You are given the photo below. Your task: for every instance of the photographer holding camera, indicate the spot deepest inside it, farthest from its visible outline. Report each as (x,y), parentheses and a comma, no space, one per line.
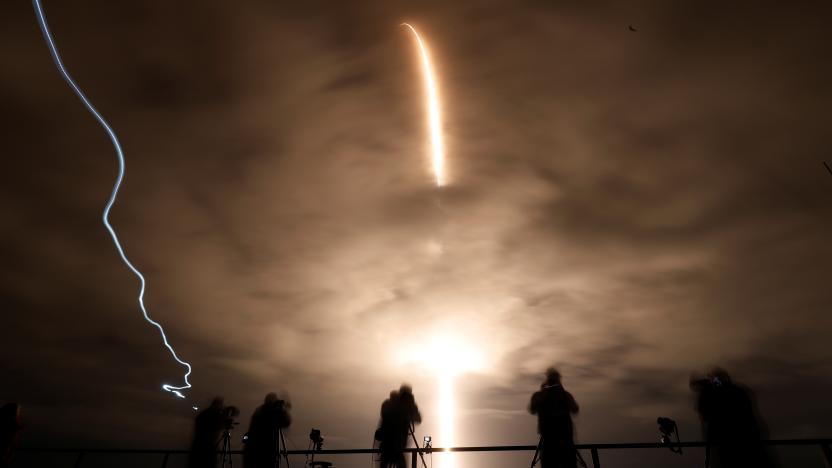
(207,429)
(730,422)
(262,446)
(554,407)
(399,414)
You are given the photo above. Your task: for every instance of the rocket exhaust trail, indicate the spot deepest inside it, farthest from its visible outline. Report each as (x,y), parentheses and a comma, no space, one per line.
(434,116)
(53,50)
(446,378)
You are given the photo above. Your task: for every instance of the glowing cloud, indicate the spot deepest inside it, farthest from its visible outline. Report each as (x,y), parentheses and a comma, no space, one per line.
(448,356)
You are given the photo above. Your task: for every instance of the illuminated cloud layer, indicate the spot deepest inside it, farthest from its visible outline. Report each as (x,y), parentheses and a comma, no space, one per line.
(630,206)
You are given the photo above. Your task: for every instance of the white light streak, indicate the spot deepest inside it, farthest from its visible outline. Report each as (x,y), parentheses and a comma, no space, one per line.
(53,50)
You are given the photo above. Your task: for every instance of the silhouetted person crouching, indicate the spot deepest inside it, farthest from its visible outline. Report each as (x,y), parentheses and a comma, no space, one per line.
(262,445)
(554,407)
(399,414)
(10,427)
(730,423)
(207,429)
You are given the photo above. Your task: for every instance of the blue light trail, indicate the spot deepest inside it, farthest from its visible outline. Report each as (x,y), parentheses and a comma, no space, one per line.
(47,35)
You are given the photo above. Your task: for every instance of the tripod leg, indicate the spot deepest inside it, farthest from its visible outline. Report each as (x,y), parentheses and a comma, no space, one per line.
(277,450)
(536,456)
(226,450)
(283,443)
(580,458)
(416,443)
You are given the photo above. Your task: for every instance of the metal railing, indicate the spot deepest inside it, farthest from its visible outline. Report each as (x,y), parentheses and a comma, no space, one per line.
(825,446)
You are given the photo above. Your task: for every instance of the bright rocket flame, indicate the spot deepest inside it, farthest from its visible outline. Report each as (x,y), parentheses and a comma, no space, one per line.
(449,356)
(447,416)
(434,116)
(53,50)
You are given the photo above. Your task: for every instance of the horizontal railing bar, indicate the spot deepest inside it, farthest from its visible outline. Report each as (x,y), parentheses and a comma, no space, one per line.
(495,448)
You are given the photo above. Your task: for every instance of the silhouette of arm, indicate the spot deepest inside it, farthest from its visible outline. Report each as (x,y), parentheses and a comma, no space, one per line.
(282,416)
(573,405)
(534,403)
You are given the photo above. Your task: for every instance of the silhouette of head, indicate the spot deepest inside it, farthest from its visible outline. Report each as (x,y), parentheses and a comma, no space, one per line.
(406,394)
(270,399)
(719,376)
(552,376)
(217,403)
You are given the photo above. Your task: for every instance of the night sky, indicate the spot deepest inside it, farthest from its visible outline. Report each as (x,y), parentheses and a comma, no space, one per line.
(630,206)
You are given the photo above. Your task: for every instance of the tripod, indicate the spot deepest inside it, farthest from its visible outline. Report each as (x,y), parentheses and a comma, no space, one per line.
(416,443)
(538,453)
(316,443)
(312,447)
(281,448)
(226,448)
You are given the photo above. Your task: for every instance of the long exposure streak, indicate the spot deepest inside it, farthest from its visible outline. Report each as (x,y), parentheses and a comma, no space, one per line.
(47,35)
(434,116)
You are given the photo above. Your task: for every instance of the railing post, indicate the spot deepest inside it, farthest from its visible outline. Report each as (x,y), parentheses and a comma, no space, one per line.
(165,460)
(413,459)
(79,459)
(827,454)
(596,462)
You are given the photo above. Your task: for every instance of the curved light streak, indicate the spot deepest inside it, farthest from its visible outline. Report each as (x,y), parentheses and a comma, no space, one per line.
(434,116)
(53,50)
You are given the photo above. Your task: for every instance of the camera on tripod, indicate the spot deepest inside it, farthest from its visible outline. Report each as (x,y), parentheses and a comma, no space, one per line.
(316,443)
(315,439)
(228,415)
(427,442)
(668,427)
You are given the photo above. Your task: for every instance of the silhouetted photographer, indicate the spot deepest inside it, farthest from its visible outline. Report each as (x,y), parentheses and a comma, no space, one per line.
(731,425)
(399,414)
(554,407)
(208,426)
(262,447)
